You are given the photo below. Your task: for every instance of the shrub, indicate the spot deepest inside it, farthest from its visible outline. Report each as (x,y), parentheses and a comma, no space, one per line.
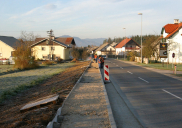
(154,61)
(48,62)
(23,55)
(75,53)
(85,54)
(23,58)
(59,59)
(131,55)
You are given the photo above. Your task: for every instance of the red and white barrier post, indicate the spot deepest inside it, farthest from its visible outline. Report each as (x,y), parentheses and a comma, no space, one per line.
(106,73)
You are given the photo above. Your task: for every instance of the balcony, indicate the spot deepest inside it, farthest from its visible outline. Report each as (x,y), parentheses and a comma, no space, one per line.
(129,48)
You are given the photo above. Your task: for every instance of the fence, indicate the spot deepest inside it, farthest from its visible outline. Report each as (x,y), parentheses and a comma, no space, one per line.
(116,56)
(137,59)
(145,60)
(7,61)
(4,62)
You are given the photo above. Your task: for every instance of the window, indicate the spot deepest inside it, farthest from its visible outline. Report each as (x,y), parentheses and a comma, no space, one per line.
(1,54)
(43,48)
(52,48)
(163,40)
(45,57)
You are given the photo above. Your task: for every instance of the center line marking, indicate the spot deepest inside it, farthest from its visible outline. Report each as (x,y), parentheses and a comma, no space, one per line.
(143,79)
(129,72)
(172,94)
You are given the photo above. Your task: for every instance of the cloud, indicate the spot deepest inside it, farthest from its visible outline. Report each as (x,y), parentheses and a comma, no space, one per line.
(110,1)
(50,6)
(13,17)
(31,11)
(90,15)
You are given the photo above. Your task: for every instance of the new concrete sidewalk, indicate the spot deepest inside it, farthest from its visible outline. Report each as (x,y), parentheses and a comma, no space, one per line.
(86,106)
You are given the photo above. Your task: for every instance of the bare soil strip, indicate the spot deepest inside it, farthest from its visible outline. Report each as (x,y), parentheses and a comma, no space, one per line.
(39,117)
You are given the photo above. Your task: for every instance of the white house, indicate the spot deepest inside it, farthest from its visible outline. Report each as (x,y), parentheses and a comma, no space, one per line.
(127,45)
(101,49)
(7,44)
(45,48)
(110,49)
(172,34)
(106,49)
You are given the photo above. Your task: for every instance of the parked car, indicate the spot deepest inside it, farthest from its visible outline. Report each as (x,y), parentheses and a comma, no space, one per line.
(104,56)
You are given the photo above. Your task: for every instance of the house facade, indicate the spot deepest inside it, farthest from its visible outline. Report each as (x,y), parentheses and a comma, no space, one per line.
(7,45)
(172,35)
(54,48)
(127,45)
(110,49)
(101,49)
(106,49)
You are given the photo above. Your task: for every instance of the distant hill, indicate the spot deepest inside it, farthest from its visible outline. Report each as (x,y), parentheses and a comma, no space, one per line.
(85,42)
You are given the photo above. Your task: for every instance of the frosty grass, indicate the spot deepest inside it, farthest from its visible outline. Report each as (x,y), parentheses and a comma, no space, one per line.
(12,80)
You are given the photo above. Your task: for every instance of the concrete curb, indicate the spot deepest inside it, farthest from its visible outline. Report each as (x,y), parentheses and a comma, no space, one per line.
(110,114)
(55,123)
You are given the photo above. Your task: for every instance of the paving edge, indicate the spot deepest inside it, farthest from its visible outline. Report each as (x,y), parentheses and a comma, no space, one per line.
(58,113)
(110,114)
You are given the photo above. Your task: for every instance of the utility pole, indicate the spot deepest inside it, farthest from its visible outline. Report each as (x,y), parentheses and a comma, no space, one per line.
(141,36)
(125,43)
(50,34)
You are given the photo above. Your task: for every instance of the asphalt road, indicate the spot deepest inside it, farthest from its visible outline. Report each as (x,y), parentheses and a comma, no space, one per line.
(154,100)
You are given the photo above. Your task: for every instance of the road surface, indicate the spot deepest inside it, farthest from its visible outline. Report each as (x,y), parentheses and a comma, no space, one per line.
(150,99)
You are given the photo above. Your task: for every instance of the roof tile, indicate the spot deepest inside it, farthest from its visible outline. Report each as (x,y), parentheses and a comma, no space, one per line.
(172,29)
(122,43)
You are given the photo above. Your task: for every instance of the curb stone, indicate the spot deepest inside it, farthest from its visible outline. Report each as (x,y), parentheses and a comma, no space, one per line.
(110,114)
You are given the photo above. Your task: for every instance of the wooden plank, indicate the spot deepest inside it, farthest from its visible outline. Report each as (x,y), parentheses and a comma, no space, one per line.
(41,101)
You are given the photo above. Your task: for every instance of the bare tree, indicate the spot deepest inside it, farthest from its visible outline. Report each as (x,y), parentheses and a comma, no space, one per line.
(23,54)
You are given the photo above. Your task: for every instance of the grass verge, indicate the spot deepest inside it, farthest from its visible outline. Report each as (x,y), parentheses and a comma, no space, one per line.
(163,66)
(13,90)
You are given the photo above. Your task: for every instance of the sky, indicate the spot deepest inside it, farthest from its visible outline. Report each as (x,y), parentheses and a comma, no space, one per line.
(87,18)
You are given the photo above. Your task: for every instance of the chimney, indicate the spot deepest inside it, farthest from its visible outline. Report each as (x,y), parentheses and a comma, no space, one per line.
(176,21)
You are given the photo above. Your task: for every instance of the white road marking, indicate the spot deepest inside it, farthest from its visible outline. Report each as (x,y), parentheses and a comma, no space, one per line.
(129,72)
(143,79)
(172,94)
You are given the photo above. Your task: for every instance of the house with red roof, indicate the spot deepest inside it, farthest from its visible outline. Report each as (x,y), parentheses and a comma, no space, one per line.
(127,45)
(46,48)
(172,34)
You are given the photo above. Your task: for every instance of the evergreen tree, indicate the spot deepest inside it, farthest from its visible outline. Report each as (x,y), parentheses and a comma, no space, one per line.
(109,40)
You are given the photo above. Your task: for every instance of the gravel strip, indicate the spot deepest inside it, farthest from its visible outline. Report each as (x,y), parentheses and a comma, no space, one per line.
(86,106)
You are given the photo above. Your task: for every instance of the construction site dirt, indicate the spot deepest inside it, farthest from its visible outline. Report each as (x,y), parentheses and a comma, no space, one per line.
(40,116)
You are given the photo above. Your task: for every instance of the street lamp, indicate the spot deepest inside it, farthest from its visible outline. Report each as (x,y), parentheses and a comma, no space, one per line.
(141,35)
(125,43)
